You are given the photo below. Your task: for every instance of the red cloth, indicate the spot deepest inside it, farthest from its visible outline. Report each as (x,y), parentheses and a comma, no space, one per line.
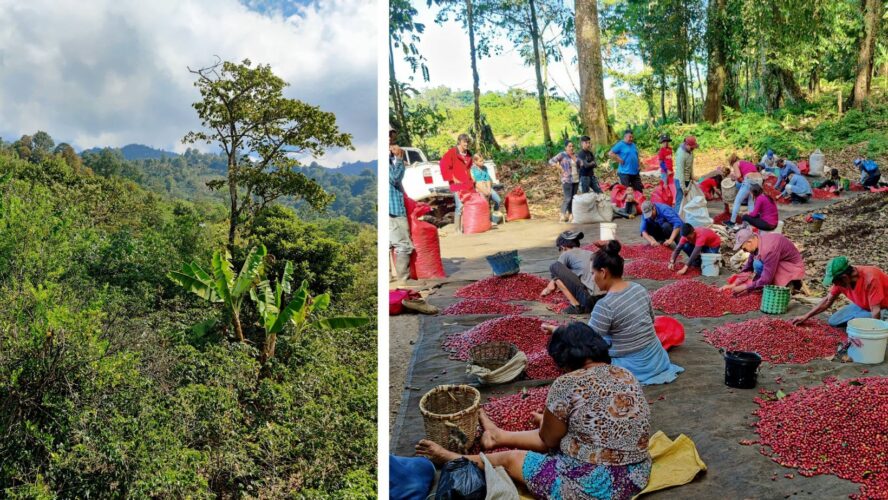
(516,205)
(703,236)
(871,288)
(665,155)
(455,169)
(618,197)
(664,194)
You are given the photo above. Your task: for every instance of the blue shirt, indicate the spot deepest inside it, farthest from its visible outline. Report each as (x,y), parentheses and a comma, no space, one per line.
(799,185)
(480,174)
(665,213)
(396,191)
(788,167)
(629,154)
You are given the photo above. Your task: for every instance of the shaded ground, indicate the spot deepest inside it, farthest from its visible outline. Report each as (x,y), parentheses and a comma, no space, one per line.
(698,404)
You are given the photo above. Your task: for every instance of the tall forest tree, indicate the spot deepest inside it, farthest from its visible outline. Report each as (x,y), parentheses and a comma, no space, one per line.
(872,16)
(593,105)
(524,23)
(717,68)
(404,35)
(260,132)
(469,12)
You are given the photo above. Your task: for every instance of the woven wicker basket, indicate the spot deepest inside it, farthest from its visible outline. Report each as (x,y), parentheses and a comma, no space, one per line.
(775,299)
(492,355)
(450,416)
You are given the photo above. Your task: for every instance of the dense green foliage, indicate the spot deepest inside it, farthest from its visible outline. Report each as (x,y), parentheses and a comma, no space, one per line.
(116,383)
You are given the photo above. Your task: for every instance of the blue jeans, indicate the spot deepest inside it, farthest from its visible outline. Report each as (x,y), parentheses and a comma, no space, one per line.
(587,182)
(743,194)
(457,203)
(840,318)
(678,194)
(569,189)
(688,248)
(495,198)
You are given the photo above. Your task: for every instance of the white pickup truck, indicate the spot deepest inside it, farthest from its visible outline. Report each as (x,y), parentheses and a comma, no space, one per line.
(422,178)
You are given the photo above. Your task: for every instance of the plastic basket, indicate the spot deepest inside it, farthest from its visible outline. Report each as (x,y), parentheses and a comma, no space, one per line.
(492,355)
(775,299)
(505,263)
(450,416)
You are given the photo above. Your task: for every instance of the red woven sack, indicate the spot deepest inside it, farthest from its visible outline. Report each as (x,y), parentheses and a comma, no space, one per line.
(516,205)
(475,213)
(425,261)
(804,168)
(670,331)
(395,298)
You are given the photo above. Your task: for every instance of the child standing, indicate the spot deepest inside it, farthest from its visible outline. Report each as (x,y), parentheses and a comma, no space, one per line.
(483,182)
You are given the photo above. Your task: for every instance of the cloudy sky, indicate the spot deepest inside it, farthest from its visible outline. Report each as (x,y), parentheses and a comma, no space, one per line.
(115,72)
(446,48)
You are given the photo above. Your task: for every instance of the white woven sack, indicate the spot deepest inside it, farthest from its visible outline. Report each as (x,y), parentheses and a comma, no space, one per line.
(499,484)
(501,375)
(694,210)
(586,209)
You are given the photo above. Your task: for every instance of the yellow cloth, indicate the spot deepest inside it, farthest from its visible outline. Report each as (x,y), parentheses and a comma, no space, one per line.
(674,462)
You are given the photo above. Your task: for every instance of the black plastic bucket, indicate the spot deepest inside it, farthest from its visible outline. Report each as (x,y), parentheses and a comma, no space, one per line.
(741,369)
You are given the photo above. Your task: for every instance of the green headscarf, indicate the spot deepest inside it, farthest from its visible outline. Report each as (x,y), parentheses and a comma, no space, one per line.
(835,267)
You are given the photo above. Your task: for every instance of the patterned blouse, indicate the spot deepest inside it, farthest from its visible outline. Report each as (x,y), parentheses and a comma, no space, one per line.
(607,416)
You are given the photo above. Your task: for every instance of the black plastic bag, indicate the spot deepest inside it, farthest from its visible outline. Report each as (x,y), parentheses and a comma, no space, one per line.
(461,480)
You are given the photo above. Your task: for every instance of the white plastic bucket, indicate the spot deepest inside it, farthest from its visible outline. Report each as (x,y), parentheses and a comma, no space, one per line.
(873,334)
(815,163)
(608,231)
(709,265)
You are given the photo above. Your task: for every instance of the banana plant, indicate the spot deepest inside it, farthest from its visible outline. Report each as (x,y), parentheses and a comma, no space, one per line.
(223,286)
(299,311)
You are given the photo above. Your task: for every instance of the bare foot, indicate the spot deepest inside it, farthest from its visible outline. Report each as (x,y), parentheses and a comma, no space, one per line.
(435,452)
(491,432)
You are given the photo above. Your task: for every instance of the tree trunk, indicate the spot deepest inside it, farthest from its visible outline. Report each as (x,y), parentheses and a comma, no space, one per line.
(268,348)
(238,328)
(681,93)
(395,91)
(871,16)
(232,193)
(715,72)
(663,96)
(541,89)
(476,91)
(593,106)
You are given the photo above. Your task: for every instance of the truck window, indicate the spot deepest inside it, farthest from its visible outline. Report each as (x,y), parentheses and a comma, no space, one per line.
(413,157)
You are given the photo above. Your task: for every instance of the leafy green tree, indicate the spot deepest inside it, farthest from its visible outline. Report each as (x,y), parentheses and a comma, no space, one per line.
(404,35)
(275,315)
(69,155)
(243,110)
(223,286)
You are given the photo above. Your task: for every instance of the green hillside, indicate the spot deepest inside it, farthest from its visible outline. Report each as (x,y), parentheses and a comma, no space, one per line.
(118,383)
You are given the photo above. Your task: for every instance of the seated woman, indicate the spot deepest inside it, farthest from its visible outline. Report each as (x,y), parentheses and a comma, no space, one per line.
(484,183)
(627,206)
(693,242)
(593,434)
(764,215)
(773,260)
(625,318)
(572,274)
(833,182)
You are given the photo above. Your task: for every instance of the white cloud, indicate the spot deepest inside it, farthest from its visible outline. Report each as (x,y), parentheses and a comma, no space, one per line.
(112,72)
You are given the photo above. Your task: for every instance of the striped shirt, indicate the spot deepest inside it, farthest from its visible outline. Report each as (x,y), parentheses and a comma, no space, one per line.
(627,317)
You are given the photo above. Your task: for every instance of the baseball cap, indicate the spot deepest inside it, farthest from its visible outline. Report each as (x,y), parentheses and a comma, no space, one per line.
(665,138)
(835,267)
(647,209)
(770,153)
(742,237)
(691,141)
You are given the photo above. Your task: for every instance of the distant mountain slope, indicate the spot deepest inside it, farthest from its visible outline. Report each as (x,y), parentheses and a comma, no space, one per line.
(139,152)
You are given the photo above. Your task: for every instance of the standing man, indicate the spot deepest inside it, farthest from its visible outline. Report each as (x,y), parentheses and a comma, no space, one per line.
(865,286)
(455,167)
(399,229)
(684,168)
(625,153)
(587,166)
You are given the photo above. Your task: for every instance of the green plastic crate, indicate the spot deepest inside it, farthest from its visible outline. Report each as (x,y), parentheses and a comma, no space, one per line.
(775,299)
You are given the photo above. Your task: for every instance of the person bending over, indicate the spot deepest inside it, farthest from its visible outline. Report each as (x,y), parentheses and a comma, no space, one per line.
(572,274)
(592,436)
(660,224)
(865,286)
(797,188)
(693,242)
(773,260)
